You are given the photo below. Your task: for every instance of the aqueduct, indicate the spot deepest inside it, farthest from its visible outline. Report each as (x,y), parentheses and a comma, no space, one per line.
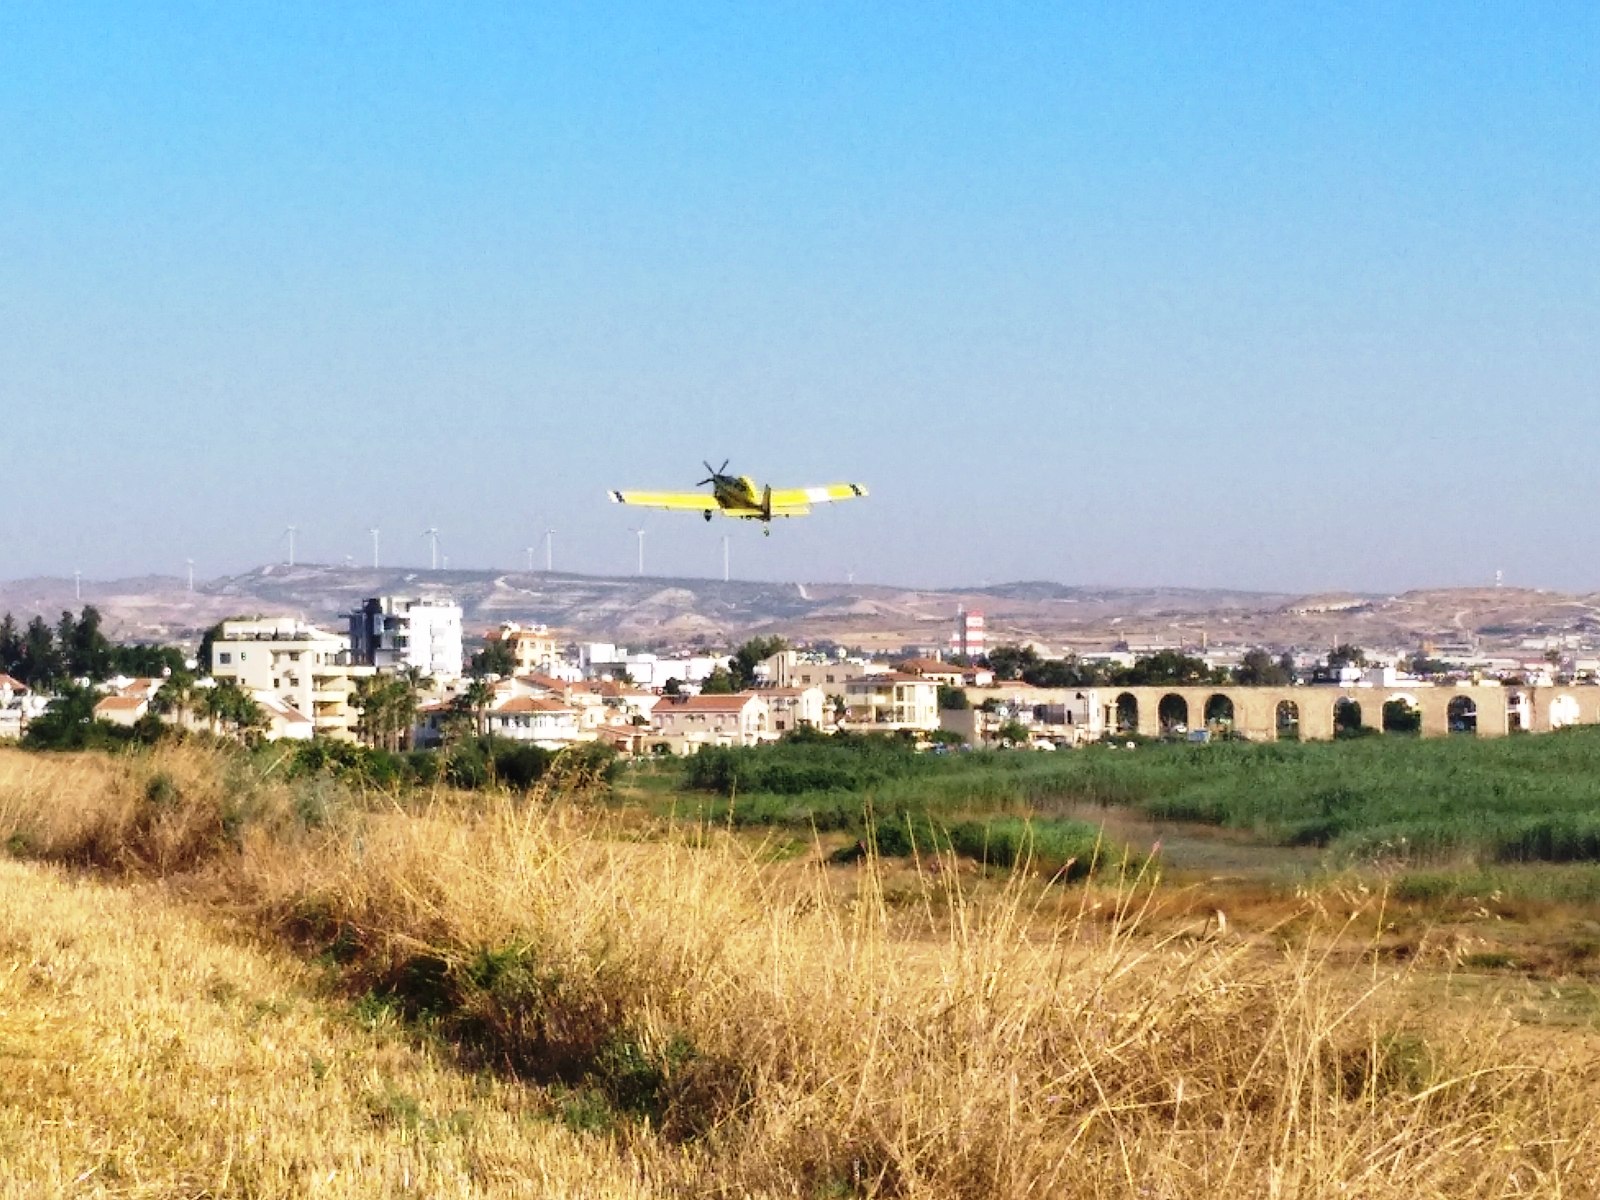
(1315,712)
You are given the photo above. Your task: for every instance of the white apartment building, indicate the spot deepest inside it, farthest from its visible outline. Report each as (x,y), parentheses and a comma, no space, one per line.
(391,632)
(602,660)
(796,708)
(893,700)
(297,664)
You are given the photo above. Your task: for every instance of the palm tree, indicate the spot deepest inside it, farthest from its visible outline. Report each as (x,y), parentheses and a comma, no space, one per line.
(249,718)
(214,704)
(479,695)
(175,697)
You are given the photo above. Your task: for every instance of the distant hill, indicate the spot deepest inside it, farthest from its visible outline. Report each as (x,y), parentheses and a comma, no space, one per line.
(650,609)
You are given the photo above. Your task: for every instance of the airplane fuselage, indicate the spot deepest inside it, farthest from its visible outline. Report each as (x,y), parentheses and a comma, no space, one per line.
(736,491)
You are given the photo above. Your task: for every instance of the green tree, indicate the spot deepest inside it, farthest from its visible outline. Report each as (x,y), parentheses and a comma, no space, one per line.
(476,698)
(10,646)
(718,683)
(175,697)
(1009,662)
(1014,732)
(672,687)
(1063,673)
(388,705)
(248,717)
(41,665)
(146,660)
(750,655)
(494,659)
(69,723)
(230,709)
(83,644)
(1168,667)
(953,699)
(1346,655)
(1400,717)
(1259,669)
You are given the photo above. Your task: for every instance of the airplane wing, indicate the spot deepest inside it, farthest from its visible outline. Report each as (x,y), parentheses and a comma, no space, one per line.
(689,501)
(799,500)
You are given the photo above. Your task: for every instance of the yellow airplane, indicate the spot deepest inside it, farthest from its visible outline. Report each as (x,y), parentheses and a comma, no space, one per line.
(738,496)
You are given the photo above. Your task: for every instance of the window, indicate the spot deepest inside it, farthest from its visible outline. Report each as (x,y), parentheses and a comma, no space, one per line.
(225,658)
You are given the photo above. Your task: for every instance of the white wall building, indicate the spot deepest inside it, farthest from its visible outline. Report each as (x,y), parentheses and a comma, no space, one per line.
(602,660)
(391,632)
(303,666)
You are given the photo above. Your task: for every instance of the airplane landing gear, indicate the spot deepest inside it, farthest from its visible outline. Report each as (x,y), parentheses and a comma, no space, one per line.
(708,515)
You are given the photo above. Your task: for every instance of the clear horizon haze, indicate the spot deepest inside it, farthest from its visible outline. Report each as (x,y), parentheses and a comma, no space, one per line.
(1283,298)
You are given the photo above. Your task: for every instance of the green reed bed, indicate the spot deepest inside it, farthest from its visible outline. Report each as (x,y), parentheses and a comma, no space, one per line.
(1518,799)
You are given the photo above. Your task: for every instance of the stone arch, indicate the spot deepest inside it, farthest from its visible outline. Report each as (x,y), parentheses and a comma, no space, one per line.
(1173,713)
(1402,714)
(1286,720)
(1461,715)
(1519,715)
(1346,716)
(1564,711)
(1125,713)
(1219,711)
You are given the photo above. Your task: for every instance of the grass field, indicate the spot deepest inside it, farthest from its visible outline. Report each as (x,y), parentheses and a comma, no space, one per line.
(530,996)
(1398,800)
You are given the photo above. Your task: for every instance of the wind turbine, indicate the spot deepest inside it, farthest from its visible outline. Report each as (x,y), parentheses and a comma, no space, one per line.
(289,533)
(432,534)
(77,583)
(374,532)
(189,562)
(549,535)
(639,533)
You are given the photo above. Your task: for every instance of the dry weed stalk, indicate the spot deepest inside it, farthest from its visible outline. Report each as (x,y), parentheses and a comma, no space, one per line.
(787,1035)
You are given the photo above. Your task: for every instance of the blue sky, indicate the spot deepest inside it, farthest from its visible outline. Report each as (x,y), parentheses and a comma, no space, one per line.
(1284,297)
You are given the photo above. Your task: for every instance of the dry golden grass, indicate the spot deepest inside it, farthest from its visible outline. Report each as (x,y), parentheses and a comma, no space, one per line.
(786,1037)
(141,1054)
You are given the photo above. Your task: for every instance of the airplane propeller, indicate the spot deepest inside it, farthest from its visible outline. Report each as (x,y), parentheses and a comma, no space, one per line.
(716,472)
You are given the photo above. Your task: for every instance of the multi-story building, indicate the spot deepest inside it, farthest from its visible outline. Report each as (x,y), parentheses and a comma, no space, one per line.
(533,647)
(794,668)
(795,708)
(686,723)
(602,660)
(948,674)
(390,633)
(303,666)
(893,700)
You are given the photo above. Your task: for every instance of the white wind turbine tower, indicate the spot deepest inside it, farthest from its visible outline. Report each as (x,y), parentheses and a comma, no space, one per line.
(549,536)
(639,533)
(374,532)
(189,562)
(289,533)
(432,534)
(529,550)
